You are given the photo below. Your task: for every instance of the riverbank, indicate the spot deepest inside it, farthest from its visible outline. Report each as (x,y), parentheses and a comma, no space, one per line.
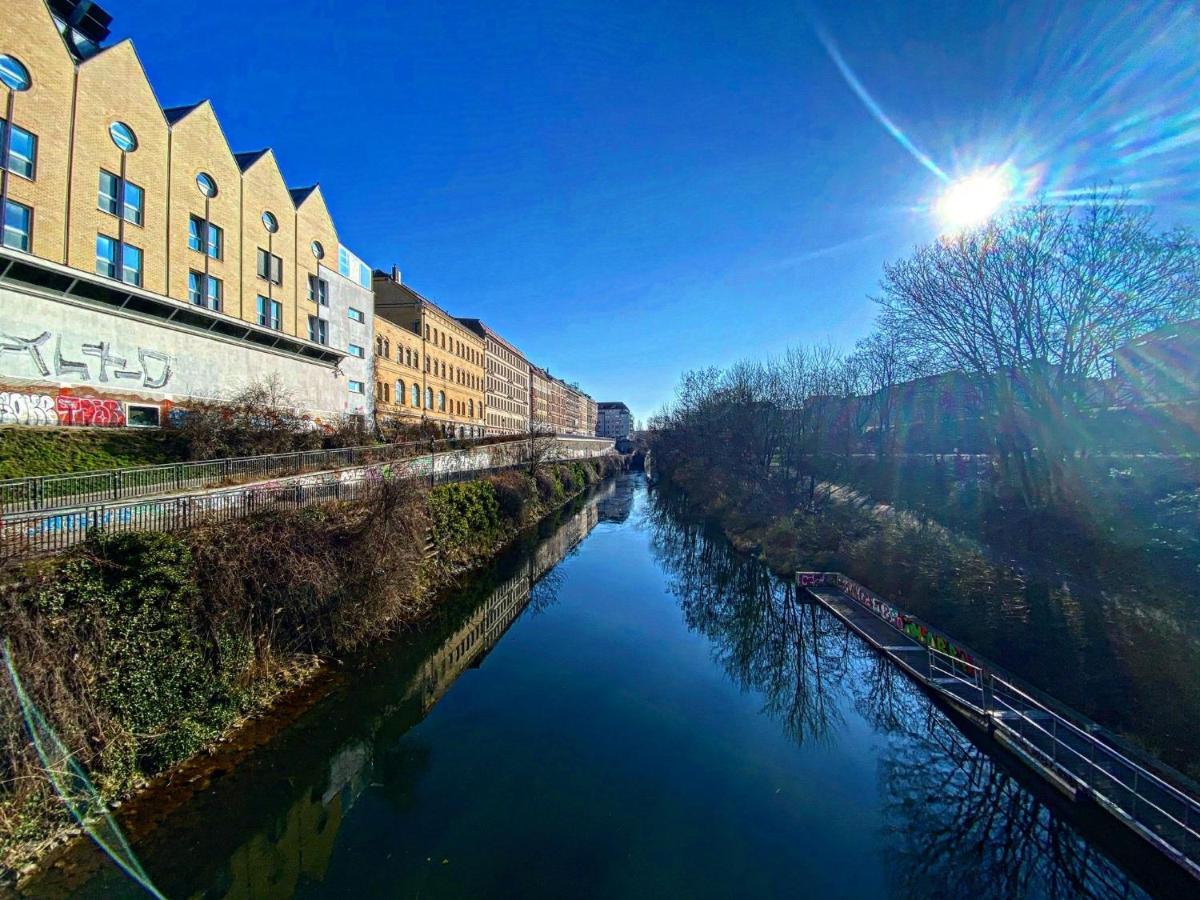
(144,649)
(1097,649)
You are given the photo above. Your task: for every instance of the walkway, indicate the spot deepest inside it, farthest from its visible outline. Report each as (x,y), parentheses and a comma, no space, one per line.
(1074,754)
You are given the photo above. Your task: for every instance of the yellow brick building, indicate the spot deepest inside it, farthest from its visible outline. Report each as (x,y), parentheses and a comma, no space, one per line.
(101,179)
(399,375)
(452,357)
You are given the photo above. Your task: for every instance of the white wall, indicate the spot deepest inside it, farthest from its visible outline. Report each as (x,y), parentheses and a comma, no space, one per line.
(50,346)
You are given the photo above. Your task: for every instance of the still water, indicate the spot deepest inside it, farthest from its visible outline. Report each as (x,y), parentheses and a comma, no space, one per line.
(625,707)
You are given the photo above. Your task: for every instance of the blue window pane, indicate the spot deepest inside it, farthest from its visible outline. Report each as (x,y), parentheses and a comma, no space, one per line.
(343,262)
(17,219)
(214,241)
(134,197)
(131,264)
(109,184)
(13,73)
(122,135)
(22,149)
(195,294)
(106,256)
(194,226)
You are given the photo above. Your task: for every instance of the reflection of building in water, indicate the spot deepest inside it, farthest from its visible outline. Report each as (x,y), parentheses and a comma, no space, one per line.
(467,646)
(616,504)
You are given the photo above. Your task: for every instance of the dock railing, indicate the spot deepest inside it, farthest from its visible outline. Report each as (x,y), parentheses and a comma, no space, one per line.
(1155,800)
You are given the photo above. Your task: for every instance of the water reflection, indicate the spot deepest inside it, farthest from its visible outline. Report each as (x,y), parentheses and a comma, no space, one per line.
(280,814)
(956,819)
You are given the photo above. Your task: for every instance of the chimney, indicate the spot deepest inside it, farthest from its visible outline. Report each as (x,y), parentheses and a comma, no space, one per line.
(396,274)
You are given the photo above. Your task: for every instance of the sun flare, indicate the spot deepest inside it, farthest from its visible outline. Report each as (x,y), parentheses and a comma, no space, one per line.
(970,201)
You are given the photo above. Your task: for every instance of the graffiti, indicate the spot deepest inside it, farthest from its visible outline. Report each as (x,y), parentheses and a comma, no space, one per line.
(809,579)
(154,367)
(90,411)
(27,409)
(908,624)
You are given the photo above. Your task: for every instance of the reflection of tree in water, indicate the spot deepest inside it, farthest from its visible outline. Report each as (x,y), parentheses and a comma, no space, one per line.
(956,821)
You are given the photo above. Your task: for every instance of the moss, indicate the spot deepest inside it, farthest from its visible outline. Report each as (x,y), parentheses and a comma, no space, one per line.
(25,452)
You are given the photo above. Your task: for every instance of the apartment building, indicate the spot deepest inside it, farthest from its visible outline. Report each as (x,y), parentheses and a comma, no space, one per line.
(540,418)
(452,357)
(506,383)
(615,420)
(399,375)
(590,416)
(144,263)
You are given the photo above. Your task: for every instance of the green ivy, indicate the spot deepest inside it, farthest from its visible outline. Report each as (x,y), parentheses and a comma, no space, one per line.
(464,514)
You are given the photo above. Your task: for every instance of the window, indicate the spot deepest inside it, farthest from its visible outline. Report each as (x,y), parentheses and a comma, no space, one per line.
(401,393)
(317,250)
(357,387)
(122,135)
(106,260)
(270,267)
(429,398)
(318,290)
(270,222)
(13,74)
(441,401)
(355,314)
(138,416)
(205,237)
(318,330)
(270,313)
(17,225)
(207,186)
(416,395)
(204,290)
(358,351)
(131,264)
(110,199)
(22,149)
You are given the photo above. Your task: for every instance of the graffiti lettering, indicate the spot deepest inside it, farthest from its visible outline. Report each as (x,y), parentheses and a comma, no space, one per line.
(32,346)
(89,411)
(27,409)
(155,371)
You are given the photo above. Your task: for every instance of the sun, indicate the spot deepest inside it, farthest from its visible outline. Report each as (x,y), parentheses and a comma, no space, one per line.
(970,201)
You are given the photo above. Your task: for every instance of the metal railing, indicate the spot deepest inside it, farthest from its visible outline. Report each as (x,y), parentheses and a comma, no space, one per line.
(70,489)
(38,534)
(1077,751)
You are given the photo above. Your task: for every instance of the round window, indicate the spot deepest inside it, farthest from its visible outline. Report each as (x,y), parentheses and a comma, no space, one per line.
(207,186)
(270,222)
(122,135)
(13,73)
(318,250)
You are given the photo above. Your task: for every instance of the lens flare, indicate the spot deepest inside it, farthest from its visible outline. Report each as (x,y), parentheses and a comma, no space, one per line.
(972,200)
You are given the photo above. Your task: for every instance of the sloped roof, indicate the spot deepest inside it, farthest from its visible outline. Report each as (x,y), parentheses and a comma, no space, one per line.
(246,160)
(175,113)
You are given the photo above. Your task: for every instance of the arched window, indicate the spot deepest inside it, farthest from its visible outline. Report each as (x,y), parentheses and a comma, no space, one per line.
(401,394)
(429,398)
(387,347)
(471,408)
(441,401)
(378,345)
(416,396)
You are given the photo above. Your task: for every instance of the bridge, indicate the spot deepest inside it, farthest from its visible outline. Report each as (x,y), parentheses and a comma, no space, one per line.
(1076,755)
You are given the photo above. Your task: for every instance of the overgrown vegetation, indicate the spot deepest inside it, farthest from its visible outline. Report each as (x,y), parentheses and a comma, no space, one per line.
(141,648)
(26,452)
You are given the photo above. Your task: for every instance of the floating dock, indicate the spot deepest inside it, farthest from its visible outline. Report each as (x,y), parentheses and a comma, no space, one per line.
(1076,755)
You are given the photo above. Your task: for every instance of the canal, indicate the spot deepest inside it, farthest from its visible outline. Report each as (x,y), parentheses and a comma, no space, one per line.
(621,706)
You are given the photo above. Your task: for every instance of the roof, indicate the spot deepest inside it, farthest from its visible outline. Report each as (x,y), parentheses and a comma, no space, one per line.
(612,404)
(246,160)
(175,113)
(299,195)
(484,330)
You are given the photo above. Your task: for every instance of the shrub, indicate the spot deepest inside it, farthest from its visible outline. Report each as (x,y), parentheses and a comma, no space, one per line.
(464,514)
(515,491)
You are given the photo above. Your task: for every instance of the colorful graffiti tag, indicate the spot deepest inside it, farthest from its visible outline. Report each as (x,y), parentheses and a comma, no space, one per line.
(89,411)
(27,409)
(902,622)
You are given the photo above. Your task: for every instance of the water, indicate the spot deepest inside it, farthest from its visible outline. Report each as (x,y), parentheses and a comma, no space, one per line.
(627,708)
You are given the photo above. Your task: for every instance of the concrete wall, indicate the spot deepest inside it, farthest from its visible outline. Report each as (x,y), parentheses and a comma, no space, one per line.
(64,363)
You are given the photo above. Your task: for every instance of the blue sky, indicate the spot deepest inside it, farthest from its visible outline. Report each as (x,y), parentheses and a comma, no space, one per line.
(627,190)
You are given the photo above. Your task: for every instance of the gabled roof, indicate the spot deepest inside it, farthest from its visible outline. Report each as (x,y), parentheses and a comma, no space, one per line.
(299,195)
(175,113)
(246,160)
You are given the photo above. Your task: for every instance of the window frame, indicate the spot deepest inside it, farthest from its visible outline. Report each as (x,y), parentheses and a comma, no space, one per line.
(355,315)
(4,226)
(269,313)
(6,128)
(319,334)
(274,267)
(357,387)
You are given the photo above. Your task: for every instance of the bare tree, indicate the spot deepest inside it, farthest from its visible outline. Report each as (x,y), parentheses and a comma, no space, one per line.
(1032,304)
